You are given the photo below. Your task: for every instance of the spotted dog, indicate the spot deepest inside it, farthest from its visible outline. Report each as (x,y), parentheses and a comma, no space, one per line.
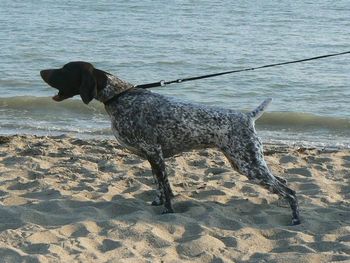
(156,127)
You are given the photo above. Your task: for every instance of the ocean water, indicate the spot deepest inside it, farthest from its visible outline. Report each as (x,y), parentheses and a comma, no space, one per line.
(147,41)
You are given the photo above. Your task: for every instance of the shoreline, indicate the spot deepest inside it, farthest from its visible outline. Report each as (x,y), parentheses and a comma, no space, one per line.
(70,199)
(38,115)
(266,140)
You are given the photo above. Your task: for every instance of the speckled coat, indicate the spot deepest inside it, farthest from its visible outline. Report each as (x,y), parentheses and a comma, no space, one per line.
(156,127)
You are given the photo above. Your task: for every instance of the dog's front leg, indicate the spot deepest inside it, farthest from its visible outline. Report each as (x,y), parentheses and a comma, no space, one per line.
(155,158)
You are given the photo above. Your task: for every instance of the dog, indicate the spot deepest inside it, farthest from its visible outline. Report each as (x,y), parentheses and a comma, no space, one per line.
(156,127)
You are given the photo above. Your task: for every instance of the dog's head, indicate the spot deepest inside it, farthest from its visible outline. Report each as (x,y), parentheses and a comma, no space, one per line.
(74,78)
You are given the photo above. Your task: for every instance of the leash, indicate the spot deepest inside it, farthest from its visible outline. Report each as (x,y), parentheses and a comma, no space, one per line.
(162,83)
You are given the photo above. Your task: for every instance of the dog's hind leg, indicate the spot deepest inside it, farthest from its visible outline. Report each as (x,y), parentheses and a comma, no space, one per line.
(164,194)
(247,158)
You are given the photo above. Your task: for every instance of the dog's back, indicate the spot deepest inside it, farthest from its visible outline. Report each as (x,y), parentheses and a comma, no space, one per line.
(175,125)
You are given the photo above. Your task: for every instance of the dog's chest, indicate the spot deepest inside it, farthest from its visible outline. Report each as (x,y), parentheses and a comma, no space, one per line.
(122,140)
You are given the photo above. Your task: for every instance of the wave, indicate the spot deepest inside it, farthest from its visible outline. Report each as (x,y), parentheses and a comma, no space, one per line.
(303,121)
(46,104)
(31,106)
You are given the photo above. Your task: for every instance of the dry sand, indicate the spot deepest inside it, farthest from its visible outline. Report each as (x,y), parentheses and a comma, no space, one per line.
(70,200)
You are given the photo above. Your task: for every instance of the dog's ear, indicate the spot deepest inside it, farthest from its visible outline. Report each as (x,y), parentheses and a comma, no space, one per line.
(88,89)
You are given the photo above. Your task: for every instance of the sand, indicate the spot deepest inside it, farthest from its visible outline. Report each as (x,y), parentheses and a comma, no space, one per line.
(64,199)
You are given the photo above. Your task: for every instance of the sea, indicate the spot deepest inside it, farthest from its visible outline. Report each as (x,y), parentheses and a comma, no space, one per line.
(152,40)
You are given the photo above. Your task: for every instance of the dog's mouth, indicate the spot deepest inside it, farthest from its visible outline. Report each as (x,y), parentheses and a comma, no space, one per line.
(60,97)
(46,75)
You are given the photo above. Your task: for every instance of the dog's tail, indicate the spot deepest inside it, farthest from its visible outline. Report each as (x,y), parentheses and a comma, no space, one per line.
(256,114)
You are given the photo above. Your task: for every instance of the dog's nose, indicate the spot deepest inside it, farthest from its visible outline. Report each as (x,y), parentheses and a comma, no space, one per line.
(46,74)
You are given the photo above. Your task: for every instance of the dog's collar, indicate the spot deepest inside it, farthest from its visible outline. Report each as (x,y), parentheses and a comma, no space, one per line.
(114,88)
(106,102)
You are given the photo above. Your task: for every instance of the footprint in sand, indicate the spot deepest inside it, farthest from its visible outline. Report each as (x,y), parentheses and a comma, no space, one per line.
(216,170)
(288,159)
(3,193)
(304,171)
(107,166)
(186,206)
(250,190)
(308,188)
(109,244)
(200,245)
(9,219)
(11,255)
(319,160)
(40,248)
(346,162)
(24,186)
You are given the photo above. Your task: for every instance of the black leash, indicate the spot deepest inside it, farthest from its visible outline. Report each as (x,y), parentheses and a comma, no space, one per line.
(163,83)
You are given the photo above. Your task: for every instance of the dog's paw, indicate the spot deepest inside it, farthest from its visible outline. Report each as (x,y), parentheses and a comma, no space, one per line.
(296,221)
(167,210)
(158,200)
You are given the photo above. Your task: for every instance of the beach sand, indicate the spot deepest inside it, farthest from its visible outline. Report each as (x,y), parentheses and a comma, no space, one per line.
(64,199)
